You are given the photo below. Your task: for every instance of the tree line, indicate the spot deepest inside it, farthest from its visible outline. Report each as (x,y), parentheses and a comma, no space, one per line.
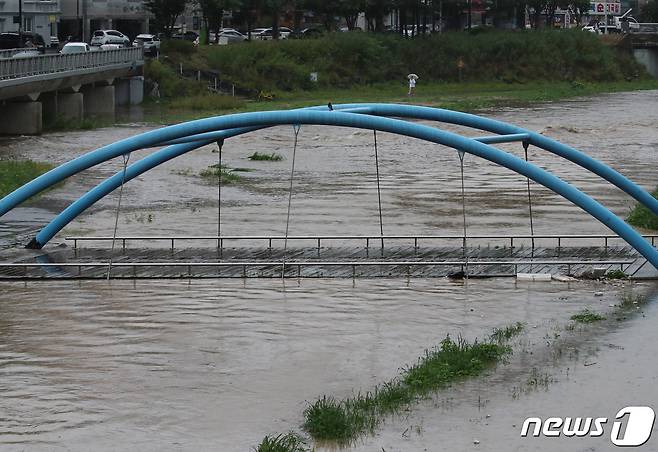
(412,15)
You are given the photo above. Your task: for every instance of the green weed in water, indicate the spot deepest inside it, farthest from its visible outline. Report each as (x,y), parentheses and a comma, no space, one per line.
(284,442)
(587,316)
(504,334)
(227,175)
(346,419)
(616,274)
(273,157)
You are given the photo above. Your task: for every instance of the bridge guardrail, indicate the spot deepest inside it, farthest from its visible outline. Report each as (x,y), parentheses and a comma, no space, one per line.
(12,68)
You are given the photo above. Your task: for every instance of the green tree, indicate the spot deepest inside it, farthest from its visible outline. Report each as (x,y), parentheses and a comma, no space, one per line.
(213,11)
(578,8)
(165,13)
(650,11)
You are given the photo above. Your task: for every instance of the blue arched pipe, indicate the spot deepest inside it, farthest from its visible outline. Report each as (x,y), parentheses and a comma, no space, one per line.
(103,154)
(262,119)
(491,125)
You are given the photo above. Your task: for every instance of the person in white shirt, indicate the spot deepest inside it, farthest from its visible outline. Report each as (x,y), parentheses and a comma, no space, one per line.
(412,86)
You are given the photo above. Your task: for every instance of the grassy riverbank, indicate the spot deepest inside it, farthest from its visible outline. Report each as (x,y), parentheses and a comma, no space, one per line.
(468,97)
(462,71)
(14,173)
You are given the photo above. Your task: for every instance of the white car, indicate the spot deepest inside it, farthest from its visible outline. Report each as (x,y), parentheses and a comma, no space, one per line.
(75,47)
(101,37)
(268,34)
(228,36)
(151,43)
(257,33)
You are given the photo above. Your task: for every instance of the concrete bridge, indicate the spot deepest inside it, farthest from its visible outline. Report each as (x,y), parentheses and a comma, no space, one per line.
(645,50)
(42,88)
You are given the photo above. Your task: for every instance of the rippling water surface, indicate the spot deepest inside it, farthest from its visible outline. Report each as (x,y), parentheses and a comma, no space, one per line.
(219,364)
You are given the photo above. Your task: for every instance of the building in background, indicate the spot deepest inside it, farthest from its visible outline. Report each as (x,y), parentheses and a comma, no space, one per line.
(39,16)
(81,17)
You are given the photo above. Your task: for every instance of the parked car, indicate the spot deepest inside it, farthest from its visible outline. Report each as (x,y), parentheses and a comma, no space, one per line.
(54,41)
(11,40)
(268,34)
(256,33)
(151,43)
(26,53)
(101,37)
(75,47)
(187,36)
(311,32)
(229,36)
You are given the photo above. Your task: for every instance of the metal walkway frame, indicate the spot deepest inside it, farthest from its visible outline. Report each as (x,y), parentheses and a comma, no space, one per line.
(185,137)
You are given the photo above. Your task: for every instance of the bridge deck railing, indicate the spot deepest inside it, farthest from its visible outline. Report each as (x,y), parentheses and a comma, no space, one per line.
(12,68)
(559,240)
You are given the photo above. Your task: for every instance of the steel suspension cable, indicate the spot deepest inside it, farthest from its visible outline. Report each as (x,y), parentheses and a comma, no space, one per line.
(379,194)
(461,166)
(532,227)
(220,145)
(295,129)
(126,158)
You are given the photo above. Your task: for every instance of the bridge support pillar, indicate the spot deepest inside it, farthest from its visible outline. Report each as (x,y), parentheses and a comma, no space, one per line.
(48,107)
(21,118)
(129,91)
(70,106)
(99,101)
(648,57)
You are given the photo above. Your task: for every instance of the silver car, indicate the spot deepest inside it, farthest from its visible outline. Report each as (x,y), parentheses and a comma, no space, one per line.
(151,43)
(101,37)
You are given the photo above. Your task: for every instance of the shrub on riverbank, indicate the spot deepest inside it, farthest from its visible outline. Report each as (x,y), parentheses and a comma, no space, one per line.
(14,173)
(642,217)
(347,59)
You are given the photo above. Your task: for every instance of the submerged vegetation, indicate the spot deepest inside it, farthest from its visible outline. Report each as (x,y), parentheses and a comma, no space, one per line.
(217,171)
(14,173)
(642,217)
(273,157)
(616,274)
(504,334)
(587,316)
(343,420)
(284,442)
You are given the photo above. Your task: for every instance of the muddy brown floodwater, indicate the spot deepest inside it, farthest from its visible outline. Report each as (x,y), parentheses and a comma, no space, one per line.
(189,365)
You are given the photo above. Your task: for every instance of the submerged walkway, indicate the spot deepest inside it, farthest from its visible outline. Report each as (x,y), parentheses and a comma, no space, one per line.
(136,258)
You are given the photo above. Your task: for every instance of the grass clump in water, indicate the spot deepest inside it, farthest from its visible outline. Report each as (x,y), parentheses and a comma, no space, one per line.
(284,442)
(616,274)
(273,157)
(631,300)
(217,171)
(15,173)
(587,316)
(642,217)
(344,420)
(504,334)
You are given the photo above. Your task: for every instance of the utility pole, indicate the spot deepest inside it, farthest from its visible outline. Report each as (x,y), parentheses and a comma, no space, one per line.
(20,23)
(470,11)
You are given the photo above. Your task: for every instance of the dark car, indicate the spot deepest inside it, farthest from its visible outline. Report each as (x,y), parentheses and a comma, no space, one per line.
(187,36)
(11,40)
(311,32)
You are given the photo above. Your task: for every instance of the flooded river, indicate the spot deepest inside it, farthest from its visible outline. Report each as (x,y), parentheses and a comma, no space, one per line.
(189,365)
